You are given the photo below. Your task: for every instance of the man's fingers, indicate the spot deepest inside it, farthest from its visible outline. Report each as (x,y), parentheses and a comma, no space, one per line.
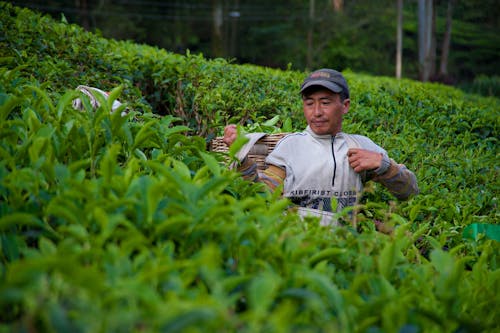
(353,151)
(230,134)
(229,129)
(361,159)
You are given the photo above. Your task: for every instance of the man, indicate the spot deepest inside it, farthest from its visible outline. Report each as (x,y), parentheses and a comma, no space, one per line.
(322,162)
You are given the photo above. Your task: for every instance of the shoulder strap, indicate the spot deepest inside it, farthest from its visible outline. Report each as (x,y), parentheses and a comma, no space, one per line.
(253,138)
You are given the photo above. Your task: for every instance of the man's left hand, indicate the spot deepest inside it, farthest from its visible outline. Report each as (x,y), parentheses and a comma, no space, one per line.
(364,160)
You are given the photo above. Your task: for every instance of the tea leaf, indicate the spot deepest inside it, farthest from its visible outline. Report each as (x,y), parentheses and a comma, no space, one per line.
(19,219)
(326,254)
(64,102)
(388,259)
(47,247)
(144,134)
(261,292)
(212,163)
(7,106)
(192,318)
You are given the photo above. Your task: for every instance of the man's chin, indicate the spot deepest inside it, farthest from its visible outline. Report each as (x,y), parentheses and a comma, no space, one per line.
(319,130)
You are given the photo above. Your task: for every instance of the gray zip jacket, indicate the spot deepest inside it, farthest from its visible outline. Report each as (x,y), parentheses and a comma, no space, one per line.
(317,170)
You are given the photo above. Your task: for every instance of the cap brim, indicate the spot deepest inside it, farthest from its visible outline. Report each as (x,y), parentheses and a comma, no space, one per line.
(323,83)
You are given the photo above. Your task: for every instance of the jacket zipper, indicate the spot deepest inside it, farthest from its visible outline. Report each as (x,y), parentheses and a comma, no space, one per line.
(334,161)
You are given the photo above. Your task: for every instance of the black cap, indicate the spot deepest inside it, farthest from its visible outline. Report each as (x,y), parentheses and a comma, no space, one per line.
(328,78)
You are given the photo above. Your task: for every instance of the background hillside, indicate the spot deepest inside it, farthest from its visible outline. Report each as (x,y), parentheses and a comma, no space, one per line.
(111,223)
(356,35)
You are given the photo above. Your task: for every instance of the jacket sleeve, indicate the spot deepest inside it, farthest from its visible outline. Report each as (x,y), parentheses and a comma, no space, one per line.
(399,180)
(272,176)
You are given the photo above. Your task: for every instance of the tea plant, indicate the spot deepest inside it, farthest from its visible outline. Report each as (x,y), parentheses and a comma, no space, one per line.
(128,223)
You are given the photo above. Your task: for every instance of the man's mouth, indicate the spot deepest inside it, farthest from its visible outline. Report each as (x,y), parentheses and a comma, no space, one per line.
(318,123)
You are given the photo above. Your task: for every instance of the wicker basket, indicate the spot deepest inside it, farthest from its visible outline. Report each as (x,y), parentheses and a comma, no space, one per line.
(258,152)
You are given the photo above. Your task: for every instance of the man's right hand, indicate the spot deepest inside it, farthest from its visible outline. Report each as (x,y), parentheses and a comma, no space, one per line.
(230,134)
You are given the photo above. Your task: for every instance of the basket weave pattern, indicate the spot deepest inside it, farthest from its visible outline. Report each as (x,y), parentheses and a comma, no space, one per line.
(258,152)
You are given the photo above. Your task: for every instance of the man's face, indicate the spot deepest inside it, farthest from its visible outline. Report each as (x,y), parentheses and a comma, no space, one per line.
(323,110)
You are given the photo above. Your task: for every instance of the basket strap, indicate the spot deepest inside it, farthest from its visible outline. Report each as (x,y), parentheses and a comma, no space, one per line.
(91,92)
(253,138)
(259,149)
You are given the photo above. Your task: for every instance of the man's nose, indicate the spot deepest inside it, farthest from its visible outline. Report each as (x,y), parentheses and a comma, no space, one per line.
(317,109)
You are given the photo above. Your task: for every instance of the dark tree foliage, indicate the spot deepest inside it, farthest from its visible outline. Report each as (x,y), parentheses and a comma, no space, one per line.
(360,36)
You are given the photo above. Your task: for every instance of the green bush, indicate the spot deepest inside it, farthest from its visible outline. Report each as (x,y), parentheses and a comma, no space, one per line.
(486,85)
(111,223)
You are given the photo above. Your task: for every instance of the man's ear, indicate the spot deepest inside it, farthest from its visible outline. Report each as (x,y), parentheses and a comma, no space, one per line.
(347,104)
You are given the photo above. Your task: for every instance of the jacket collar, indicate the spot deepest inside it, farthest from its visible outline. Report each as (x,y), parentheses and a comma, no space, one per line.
(323,136)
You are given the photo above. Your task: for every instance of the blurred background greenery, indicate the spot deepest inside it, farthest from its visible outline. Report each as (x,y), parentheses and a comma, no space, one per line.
(360,35)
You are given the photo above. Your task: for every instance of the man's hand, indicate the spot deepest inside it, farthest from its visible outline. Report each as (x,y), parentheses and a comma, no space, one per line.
(364,160)
(230,134)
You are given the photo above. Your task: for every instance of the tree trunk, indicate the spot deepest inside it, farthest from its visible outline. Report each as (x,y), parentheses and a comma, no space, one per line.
(431,56)
(425,13)
(445,49)
(83,11)
(421,38)
(310,34)
(234,14)
(218,21)
(399,40)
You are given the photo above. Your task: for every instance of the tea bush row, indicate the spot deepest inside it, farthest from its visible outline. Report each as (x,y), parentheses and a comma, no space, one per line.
(111,223)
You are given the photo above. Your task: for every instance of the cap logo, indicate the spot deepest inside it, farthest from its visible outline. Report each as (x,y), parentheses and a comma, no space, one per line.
(320,74)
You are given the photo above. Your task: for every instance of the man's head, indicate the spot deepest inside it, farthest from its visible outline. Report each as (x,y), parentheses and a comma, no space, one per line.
(325,97)
(326,78)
